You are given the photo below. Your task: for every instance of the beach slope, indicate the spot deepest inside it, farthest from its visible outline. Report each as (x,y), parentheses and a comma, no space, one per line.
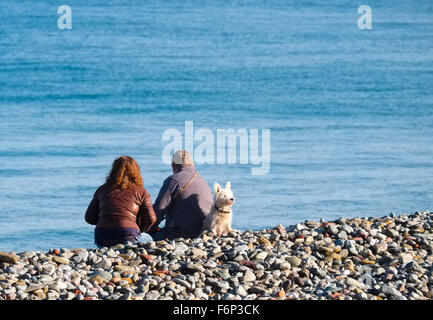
(358,258)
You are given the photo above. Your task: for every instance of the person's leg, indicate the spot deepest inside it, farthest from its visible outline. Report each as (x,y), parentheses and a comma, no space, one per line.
(108,237)
(144,237)
(159,235)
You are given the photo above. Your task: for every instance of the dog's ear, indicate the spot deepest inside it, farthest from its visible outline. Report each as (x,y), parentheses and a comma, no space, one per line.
(228,185)
(217,187)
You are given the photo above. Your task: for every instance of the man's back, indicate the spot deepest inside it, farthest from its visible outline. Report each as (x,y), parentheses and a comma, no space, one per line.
(184,214)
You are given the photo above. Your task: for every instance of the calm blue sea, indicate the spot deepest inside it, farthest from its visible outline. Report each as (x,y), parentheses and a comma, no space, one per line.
(350,111)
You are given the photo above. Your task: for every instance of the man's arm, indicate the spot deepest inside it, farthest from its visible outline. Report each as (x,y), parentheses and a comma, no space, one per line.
(164,199)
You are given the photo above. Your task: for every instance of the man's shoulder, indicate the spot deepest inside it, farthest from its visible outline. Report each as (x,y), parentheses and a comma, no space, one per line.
(182,177)
(179,176)
(171,182)
(203,183)
(172,178)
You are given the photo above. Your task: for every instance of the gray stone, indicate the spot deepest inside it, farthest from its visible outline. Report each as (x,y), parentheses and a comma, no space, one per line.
(352,282)
(46,279)
(367,280)
(240,291)
(259,289)
(181,282)
(60,260)
(261,255)
(294,261)
(52,295)
(28,254)
(283,266)
(412,277)
(347,229)
(104,264)
(349,244)
(210,264)
(342,235)
(249,276)
(333,229)
(390,291)
(33,287)
(390,233)
(83,254)
(319,272)
(405,258)
(223,285)
(181,248)
(103,274)
(152,295)
(198,253)
(58,285)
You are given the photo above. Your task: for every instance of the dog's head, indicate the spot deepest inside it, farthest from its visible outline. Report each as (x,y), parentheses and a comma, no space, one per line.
(223,197)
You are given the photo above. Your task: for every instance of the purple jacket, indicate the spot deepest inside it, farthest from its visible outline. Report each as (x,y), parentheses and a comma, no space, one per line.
(184,215)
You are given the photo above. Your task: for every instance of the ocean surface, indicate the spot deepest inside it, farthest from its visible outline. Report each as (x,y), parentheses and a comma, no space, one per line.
(350,111)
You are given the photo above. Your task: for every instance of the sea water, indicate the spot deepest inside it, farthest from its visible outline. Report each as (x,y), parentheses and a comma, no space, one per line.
(350,111)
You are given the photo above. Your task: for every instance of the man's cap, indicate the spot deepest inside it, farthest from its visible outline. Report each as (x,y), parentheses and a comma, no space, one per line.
(182,157)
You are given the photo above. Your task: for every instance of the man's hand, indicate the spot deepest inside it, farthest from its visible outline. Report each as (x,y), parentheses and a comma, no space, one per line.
(153,229)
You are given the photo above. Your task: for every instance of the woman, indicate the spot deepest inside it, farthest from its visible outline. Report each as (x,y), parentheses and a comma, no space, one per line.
(121,208)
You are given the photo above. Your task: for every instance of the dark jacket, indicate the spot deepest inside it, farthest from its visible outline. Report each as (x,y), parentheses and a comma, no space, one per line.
(184,215)
(112,207)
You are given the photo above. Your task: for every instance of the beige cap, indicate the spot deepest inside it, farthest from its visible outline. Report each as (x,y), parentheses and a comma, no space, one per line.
(182,157)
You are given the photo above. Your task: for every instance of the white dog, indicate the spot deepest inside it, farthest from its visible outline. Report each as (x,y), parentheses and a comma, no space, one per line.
(219,220)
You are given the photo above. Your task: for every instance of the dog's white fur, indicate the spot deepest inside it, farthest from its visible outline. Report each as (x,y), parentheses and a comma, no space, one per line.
(219,220)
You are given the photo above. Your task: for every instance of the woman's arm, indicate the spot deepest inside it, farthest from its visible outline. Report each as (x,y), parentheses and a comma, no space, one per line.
(92,213)
(146,215)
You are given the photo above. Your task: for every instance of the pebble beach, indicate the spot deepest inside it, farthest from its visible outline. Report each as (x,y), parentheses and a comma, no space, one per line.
(388,258)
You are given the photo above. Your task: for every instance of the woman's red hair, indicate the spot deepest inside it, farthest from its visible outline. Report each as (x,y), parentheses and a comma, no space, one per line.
(125,173)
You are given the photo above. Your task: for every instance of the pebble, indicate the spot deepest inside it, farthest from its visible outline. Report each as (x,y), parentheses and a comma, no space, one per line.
(390,233)
(249,276)
(152,295)
(261,255)
(319,272)
(183,283)
(240,291)
(103,274)
(346,259)
(294,261)
(333,229)
(60,260)
(342,235)
(33,287)
(352,282)
(406,258)
(344,253)
(8,257)
(181,248)
(390,290)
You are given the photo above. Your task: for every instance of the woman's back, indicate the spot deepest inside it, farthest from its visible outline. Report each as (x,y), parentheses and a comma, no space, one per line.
(121,208)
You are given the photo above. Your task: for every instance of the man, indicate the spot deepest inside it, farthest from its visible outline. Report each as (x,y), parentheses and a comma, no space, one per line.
(184,200)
